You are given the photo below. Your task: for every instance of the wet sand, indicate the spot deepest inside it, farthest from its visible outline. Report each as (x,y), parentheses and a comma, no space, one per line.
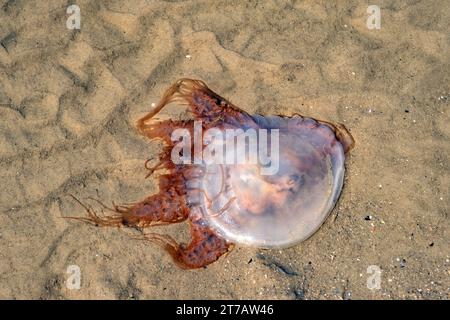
(69,100)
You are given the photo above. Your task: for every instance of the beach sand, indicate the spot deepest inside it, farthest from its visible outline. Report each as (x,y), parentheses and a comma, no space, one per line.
(69,100)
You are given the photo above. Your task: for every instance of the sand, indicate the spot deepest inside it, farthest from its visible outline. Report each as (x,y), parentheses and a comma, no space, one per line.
(69,100)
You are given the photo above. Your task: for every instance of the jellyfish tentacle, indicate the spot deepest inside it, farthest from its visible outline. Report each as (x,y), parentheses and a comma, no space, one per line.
(178,92)
(151,170)
(162,129)
(204,103)
(205,246)
(93,217)
(157,209)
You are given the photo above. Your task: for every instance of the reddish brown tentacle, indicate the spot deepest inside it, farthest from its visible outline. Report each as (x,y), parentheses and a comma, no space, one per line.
(205,247)
(151,170)
(94,219)
(204,103)
(162,208)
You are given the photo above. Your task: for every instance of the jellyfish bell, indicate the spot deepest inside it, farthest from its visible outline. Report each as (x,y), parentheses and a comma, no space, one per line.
(286,207)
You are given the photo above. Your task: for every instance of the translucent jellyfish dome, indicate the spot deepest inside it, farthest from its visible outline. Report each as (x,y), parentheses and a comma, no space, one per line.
(275,204)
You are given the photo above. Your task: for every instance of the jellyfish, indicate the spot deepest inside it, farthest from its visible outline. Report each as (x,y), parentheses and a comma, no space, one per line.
(266,181)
